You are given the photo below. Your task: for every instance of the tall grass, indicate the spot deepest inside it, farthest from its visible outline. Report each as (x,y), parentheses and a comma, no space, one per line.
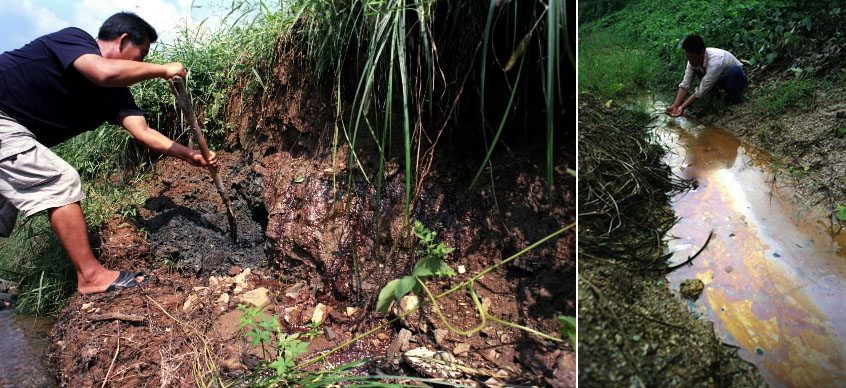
(610,67)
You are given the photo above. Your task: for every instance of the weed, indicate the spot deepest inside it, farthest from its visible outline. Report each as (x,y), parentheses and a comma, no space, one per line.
(777,99)
(567,328)
(432,263)
(841,213)
(313,330)
(288,347)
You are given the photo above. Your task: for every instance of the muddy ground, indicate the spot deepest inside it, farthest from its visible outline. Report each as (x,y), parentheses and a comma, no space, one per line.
(307,252)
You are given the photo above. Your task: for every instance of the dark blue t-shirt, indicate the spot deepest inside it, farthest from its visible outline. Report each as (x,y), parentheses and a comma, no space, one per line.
(41,89)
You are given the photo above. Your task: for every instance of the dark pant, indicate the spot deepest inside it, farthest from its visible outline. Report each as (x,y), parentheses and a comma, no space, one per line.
(733,81)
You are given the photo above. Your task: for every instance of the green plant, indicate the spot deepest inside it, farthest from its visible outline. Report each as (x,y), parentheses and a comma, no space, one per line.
(841,213)
(288,347)
(313,330)
(432,263)
(567,328)
(799,93)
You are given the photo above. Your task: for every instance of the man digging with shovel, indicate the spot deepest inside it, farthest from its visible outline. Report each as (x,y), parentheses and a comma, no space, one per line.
(54,88)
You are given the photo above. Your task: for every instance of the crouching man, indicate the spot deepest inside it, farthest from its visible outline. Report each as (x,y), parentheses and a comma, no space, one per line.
(713,66)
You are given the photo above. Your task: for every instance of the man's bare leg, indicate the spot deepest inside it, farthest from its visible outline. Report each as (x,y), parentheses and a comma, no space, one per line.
(69,224)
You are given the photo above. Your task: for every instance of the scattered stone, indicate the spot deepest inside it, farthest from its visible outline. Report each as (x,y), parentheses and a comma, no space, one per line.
(321,311)
(224,299)
(729,269)
(440,336)
(493,383)
(191,300)
(486,304)
(421,360)
(86,306)
(213,281)
(564,374)
(545,293)
(382,336)
(294,290)
(399,343)
(241,279)
(461,269)
(330,334)
(691,288)
(461,349)
(409,302)
(292,315)
(367,286)
(234,271)
(257,297)
(350,311)
(198,289)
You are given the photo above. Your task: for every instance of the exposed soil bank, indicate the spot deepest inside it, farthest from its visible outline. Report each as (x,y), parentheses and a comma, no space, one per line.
(313,253)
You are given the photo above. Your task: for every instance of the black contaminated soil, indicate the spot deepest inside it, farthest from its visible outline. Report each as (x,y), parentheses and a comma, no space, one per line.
(187,226)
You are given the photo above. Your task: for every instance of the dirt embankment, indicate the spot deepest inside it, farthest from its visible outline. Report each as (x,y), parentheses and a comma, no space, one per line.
(313,248)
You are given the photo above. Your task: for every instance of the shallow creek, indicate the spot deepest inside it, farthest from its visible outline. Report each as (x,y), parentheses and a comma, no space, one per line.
(774,271)
(22,351)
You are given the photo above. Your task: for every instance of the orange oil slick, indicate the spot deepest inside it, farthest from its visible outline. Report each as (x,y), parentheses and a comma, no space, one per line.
(775,276)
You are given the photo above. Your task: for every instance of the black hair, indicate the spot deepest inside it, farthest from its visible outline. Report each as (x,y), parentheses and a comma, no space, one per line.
(693,43)
(136,28)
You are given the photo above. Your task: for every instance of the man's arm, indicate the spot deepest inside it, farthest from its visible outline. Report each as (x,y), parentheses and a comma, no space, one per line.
(120,72)
(680,109)
(153,139)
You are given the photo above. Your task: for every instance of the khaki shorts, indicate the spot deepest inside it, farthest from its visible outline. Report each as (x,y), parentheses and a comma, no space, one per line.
(32,178)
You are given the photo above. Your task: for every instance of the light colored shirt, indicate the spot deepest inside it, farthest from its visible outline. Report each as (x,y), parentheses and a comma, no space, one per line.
(715,66)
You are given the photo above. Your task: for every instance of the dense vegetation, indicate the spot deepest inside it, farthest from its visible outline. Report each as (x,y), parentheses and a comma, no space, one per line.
(649,32)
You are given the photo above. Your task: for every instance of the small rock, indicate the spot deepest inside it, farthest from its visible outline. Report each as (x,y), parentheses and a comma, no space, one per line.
(409,302)
(729,269)
(486,303)
(321,311)
(382,336)
(213,281)
(189,302)
(241,279)
(224,299)
(294,290)
(440,336)
(198,289)
(544,293)
(461,269)
(461,349)
(691,288)
(257,297)
(367,286)
(350,311)
(400,342)
(86,306)
(330,334)
(234,271)
(292,315)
